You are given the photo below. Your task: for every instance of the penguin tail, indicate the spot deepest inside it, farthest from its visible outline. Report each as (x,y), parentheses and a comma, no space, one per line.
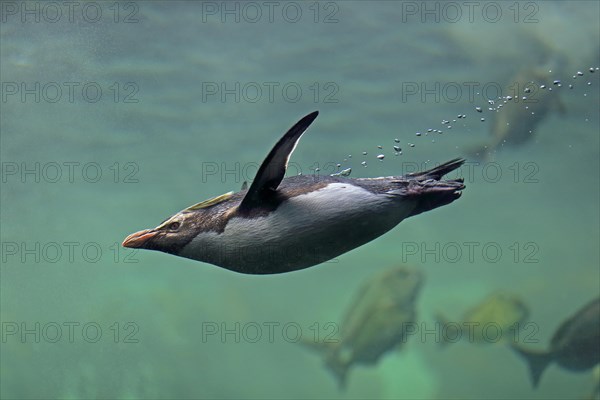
(430,190)
(537,361)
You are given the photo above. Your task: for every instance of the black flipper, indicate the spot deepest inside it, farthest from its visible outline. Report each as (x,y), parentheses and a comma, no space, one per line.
(272,170)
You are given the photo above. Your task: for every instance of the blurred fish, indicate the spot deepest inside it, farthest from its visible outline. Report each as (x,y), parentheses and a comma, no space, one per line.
(502,310)
(532,97)
(575,345)
(375,323)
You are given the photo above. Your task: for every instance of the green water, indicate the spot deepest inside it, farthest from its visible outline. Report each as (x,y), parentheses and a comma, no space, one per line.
(156,123)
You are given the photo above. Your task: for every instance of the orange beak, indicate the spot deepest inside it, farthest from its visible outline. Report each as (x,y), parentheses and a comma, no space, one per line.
(138,239)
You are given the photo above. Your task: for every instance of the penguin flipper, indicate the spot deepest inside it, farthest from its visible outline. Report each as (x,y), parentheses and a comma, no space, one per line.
(272,170)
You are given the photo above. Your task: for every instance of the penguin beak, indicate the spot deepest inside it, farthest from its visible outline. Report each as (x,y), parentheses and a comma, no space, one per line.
(138,239)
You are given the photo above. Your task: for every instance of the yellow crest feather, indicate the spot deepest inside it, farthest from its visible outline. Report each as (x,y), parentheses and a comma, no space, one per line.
(210,202)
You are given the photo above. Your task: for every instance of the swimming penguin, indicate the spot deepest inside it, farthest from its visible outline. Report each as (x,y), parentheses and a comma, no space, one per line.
(280,225)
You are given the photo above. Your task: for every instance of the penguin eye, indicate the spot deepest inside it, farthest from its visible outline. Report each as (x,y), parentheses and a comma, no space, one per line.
(173,226)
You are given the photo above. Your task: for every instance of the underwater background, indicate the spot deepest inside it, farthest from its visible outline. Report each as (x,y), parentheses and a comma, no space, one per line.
(116,115)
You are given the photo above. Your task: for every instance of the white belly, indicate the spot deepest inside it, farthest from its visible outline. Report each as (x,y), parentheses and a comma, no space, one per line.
(303,231)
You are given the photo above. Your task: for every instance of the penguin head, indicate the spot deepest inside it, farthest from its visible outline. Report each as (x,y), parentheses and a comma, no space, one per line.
(169,237)
(174,233)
